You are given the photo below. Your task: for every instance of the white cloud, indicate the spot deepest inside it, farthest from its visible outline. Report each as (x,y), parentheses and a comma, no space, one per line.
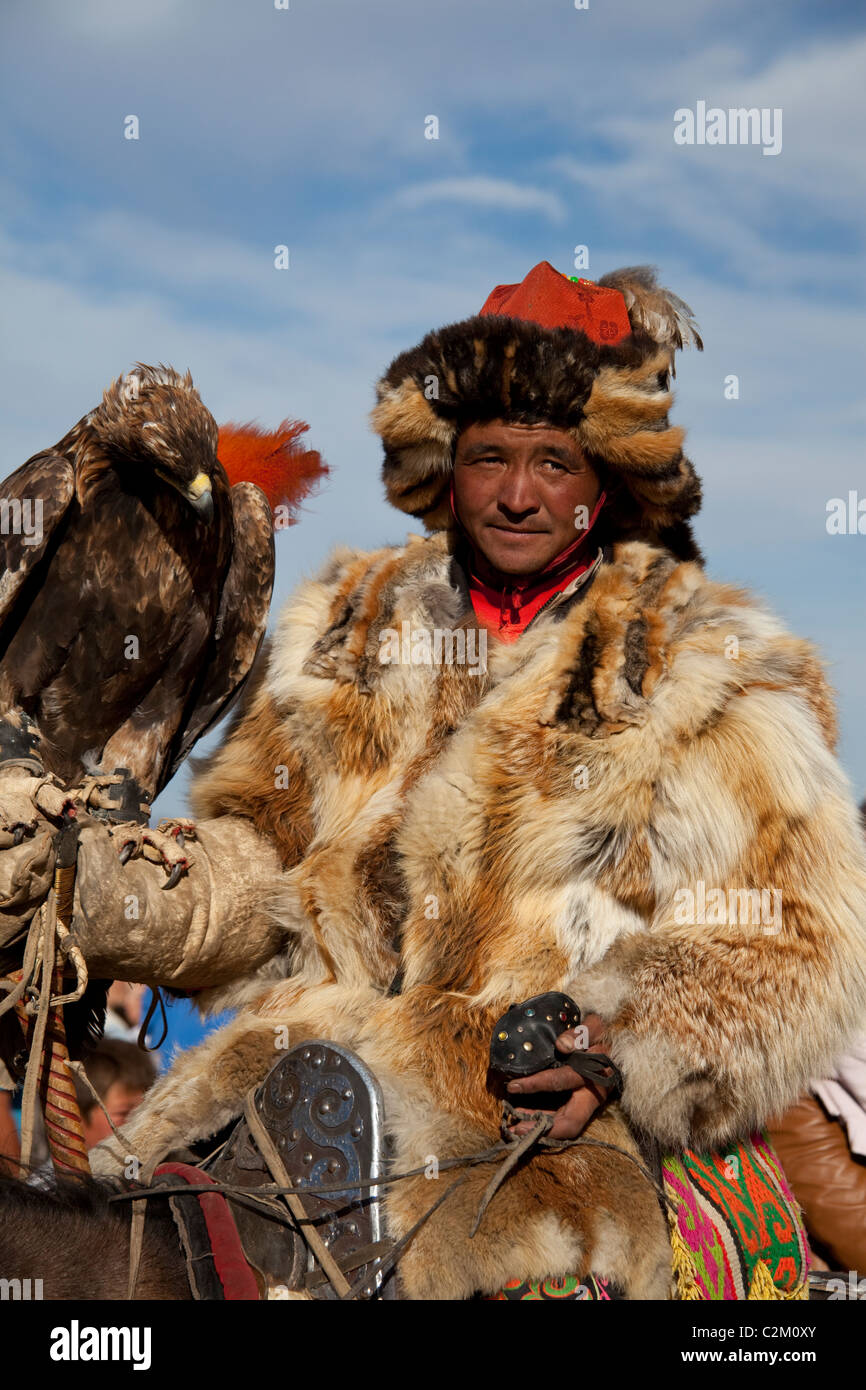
(117,22)
(482,192)
(732,202)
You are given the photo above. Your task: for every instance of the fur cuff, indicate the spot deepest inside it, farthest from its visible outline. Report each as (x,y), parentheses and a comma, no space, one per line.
(703,1064)
(666,1093)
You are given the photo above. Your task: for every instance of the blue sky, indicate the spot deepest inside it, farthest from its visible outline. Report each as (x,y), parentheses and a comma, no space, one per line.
(305,126)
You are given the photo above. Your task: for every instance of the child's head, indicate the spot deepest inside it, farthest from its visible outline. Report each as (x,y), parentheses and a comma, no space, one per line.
(120,1073)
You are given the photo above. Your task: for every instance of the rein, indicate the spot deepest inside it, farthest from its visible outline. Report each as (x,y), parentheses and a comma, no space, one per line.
(283,1202)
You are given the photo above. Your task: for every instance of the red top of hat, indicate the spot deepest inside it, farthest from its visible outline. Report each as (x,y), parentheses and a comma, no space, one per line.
(555,301)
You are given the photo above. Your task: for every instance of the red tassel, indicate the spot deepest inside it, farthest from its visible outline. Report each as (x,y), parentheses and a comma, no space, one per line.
(273,459)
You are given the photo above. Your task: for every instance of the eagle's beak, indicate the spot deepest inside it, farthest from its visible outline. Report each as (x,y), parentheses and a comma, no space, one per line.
(199,493)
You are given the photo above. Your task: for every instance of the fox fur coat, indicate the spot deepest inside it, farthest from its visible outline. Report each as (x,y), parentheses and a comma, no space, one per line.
(594,812)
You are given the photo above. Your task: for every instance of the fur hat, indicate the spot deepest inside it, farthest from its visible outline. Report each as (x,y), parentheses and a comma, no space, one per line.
(595,359)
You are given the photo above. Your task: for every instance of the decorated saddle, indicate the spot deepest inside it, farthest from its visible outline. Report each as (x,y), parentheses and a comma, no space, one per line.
(317,1127)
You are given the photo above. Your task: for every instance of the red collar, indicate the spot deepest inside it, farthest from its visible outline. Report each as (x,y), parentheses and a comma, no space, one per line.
(506,604)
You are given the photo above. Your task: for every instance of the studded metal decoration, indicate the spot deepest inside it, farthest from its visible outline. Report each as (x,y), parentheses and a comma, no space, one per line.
(323,1110)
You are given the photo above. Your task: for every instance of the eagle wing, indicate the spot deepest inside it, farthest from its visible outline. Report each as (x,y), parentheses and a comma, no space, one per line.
(46,482)
(240,624)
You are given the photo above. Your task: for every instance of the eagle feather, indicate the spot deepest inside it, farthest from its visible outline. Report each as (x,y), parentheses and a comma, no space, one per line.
(662,315)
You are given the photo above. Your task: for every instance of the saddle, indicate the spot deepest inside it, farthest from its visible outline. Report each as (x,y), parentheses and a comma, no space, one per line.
(315,1129)
(316,1122)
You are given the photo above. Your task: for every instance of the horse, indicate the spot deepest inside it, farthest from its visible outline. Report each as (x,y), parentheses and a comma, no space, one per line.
(72,1238)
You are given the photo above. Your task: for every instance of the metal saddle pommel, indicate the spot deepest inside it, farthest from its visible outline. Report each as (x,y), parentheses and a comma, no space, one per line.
(321,1111)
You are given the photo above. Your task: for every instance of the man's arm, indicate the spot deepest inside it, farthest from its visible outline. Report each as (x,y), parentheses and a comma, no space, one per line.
(217,924)
(751,977)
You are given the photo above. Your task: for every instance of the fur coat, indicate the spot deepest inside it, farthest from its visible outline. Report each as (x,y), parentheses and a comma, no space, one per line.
(637,803)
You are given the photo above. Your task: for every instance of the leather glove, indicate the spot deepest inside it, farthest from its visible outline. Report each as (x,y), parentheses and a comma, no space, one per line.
(212,927)
(30,808)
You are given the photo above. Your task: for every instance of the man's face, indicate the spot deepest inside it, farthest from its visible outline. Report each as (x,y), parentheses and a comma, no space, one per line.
(519,492)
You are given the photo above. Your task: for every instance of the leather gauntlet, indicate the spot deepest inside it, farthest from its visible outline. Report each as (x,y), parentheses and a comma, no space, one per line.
(213,926)
(30,805)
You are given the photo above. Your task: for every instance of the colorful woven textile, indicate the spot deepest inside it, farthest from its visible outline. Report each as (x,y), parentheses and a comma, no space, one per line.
(736,1233)
(588,1290)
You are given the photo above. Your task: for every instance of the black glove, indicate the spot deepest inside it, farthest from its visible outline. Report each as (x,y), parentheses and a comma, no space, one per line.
(524,1042)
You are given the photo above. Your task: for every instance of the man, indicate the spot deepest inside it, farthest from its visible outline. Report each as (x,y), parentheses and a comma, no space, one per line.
(124,1010)
(632,799)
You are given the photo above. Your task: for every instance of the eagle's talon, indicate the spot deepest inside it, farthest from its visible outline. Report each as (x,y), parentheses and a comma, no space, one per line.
(177,872)
(180,830)
(18,833)
(127,852)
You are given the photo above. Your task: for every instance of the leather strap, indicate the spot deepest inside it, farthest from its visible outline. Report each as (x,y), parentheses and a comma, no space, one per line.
(293,1200)
(592,1066)
(216,1263)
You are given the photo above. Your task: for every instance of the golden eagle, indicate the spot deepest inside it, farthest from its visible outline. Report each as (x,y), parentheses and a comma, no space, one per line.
(136,580)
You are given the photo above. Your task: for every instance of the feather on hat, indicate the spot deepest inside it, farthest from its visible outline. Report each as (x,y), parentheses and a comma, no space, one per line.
(593,358)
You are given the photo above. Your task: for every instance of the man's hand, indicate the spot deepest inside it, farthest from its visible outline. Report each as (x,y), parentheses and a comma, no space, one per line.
(582,1098)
